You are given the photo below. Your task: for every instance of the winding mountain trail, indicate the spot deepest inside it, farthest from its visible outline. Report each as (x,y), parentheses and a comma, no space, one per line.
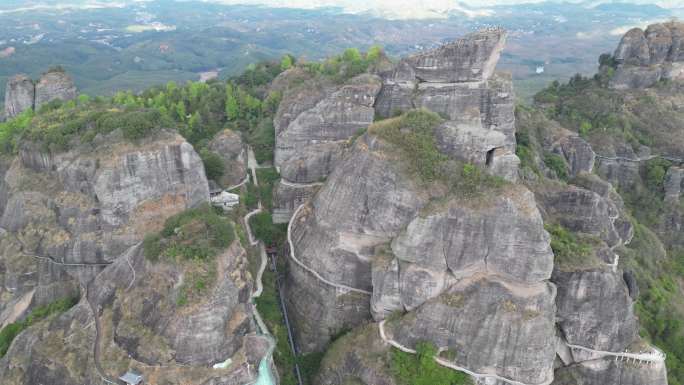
(128,260)
(265,372)
(450,365)
(655,356)
(239,184)
(252,241)
(96,343)
(344,288)
(287,183)
(641,159)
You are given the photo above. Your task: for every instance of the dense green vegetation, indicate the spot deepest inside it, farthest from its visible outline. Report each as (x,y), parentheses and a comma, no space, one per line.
(265,230)
(556,163)
(571,250)
(646,198)
(421,368)
(525,152)
(605,115)
(267,179)
(412,133)
(192,239)
(269,308)
(194,234)
(213,164)
(660,297)
(619,119)
(347,65)
(10,131)
(9,332)
(196,110)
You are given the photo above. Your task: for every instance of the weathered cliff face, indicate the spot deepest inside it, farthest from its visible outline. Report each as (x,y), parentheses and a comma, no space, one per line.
(455,270)
(54,85)
(142,327)
(645,57)
(75,220)
(69,215)
(595,317)
(610,371)
(470,59)
(308,146)
(674,183)
(458,82)
(20,95)
(495,315)
(595,310)
(500,236)
(313,124)
(357,358)
(474,276)
(229,146)
(150,326)
(365,203)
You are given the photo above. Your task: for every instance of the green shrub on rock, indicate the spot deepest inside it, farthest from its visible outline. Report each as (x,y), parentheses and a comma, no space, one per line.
(194,234)
(422,369)
(213,164)
(9,332)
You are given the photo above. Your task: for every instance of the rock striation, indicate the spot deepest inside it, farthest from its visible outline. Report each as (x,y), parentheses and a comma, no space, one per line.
(22,94)
(54,85)
(458,82)
(313,126)
(610,371)
(447,269)
(73,224)
(645,57)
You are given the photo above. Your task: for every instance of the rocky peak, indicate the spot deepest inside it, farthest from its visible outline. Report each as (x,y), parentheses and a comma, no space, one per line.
(21,93)
(472,58)
(54,84)
(645,57)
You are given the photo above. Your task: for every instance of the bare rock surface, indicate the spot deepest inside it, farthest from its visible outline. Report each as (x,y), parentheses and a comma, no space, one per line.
(469,274)
(322,130)
(54,85)
(595,310)
(472,58)
(229,146)
(646,57)
(489,325)
(610,372)
(20,95)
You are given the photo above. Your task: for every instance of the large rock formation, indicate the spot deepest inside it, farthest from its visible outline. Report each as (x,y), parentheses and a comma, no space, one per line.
(611,371)
(455,271)
(471,275)
(228,145)
(646,57)
(21,93)
(136,324)
(313,126)
(73,222)
(70,214)
(458,82)
(54,85)
(306,149)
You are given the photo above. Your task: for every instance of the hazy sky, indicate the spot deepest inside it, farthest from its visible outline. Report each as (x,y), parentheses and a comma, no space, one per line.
(393,9)
(426,8)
